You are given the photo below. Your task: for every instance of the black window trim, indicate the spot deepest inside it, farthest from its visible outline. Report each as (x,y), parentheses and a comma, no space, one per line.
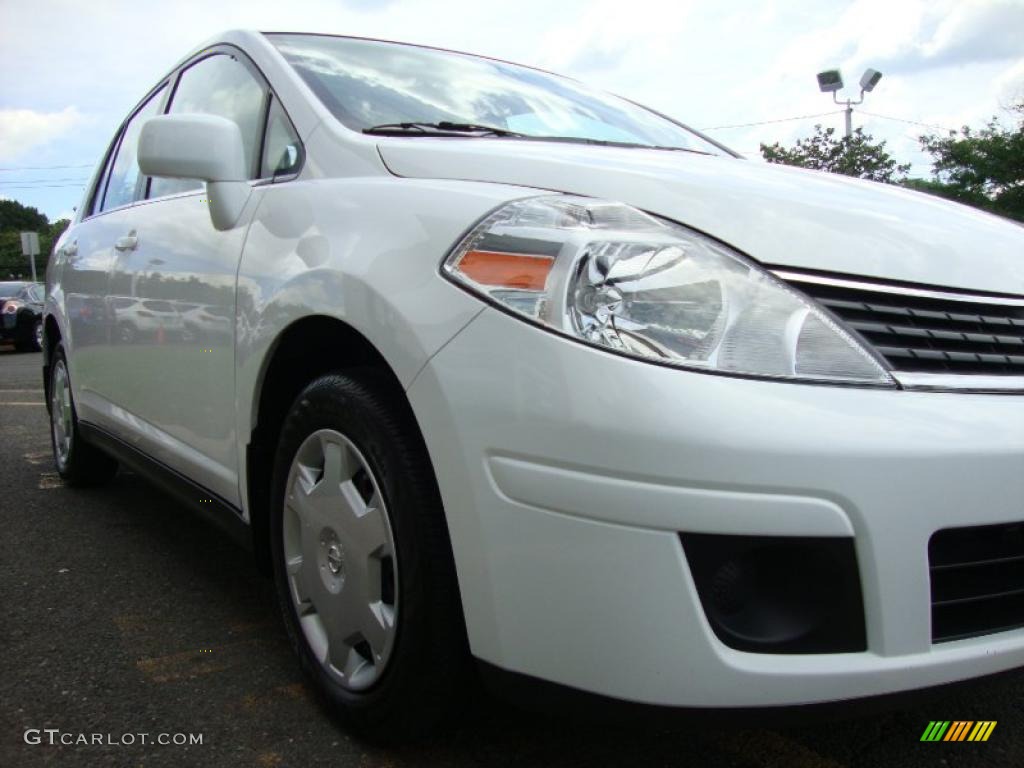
(170,83)
(222,49)
(268,101)
(278,178)
(269,96)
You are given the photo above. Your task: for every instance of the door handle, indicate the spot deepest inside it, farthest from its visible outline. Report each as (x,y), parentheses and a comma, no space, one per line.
(127,243)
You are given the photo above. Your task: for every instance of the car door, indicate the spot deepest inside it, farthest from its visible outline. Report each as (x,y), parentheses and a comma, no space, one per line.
(86,257)
(182,361)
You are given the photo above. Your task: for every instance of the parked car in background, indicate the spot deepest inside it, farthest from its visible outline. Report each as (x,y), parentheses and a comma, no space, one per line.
(21,315)
(500,374)
(146,320)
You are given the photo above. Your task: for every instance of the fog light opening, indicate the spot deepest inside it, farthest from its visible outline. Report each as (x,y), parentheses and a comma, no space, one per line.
(779,594)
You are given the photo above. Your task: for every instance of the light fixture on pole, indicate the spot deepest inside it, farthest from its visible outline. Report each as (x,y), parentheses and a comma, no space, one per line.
(831,80)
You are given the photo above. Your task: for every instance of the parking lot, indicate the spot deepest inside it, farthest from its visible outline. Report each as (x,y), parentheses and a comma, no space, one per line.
(124,614)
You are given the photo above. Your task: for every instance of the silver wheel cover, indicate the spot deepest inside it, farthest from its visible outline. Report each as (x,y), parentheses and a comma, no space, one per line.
(340,561)
(61,417)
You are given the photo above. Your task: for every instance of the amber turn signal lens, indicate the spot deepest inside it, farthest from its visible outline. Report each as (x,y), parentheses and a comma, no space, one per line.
(507,270)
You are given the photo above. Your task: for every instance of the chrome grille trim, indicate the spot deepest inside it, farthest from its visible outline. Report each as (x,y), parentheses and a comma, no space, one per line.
(909,360)
(948,382)
(924,293)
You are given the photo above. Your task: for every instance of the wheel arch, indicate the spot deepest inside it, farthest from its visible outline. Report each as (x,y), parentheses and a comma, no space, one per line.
(305,349)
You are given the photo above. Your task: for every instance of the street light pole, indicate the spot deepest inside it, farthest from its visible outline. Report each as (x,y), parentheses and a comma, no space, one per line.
(831,81)
(849,111)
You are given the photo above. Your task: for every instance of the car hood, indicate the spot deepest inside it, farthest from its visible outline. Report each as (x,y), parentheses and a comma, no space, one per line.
(778,215)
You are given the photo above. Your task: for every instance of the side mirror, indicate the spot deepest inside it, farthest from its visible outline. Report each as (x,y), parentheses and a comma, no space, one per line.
(202,147)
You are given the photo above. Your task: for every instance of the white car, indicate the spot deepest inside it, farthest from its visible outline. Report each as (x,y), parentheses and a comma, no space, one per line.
(527,380)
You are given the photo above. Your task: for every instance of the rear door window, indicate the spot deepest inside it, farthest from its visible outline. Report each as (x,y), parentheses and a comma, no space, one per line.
(123,184)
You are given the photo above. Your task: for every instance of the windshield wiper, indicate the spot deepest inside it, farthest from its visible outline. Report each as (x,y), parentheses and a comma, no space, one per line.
(445,128)
(442,128)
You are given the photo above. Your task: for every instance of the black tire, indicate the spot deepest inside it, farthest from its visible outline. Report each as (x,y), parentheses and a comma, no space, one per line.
(30,339)
(84,464)
(37,335)
(428,670)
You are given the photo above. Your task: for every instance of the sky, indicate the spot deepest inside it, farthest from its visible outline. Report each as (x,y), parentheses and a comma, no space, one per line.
(71,70)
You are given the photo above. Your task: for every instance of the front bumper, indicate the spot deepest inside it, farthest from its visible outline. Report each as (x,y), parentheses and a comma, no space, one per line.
(568,473)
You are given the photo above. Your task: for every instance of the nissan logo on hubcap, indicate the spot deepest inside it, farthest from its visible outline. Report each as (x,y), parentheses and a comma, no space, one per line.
(334,560)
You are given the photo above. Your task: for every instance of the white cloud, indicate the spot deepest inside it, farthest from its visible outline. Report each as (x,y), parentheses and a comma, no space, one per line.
(973,32)
(24,129)
(611,31)
(1009,86)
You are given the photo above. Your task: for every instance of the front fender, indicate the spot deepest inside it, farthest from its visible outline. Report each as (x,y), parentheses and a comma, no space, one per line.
(366,251)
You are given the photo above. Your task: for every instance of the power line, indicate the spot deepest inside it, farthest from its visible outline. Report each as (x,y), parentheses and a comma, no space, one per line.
(908,122)
(34,181)
(44,186)
(769,122)
(42,167)
(824,114)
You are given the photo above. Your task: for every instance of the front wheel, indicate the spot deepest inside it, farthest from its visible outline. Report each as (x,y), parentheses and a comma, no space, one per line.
(362,562)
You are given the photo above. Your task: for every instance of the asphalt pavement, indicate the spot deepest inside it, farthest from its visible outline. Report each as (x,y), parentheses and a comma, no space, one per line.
(122,614)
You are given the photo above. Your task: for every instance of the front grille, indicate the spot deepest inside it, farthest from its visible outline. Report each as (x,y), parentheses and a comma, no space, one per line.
(977,578)
(927,331)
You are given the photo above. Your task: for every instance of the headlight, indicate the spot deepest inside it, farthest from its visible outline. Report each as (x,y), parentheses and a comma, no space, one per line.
(626,281)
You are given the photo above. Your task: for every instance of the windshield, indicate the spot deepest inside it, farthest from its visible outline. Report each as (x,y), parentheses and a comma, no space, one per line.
(367,83)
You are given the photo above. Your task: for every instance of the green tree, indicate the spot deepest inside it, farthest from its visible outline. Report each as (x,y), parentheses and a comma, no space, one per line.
(856,155)
(21,218)
(14,219)
(983,168)
(47,238)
